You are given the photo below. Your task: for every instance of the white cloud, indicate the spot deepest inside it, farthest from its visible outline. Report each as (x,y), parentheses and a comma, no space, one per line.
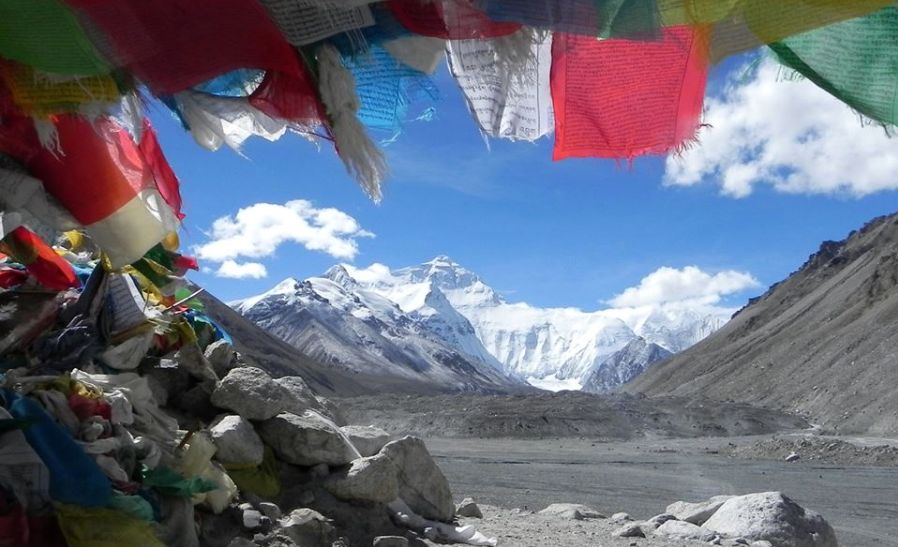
(237,270)
(688,285)
(258,230)
(792,135)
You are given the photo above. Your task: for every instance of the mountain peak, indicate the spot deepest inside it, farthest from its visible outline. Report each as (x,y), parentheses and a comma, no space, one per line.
(341,276)
(286,286)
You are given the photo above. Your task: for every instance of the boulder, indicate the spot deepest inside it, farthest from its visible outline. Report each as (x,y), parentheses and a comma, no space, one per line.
(367,439)
(696,513)
(236,440)
(422,486)
(368,479)
(773,517)
(308,528)
(467,508)
(252,393)
(678,529)
(572,511)
(220,356)
(305,440)
(390,541)
(657,521)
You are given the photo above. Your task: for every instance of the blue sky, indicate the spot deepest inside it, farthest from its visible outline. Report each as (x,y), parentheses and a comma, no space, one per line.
(570,233)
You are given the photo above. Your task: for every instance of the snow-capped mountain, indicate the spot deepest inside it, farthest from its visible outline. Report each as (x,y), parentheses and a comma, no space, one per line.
(551,347)
(406,322)
(335,321)
(624,365)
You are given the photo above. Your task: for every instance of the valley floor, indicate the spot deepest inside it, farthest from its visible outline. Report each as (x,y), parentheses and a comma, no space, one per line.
(643,477)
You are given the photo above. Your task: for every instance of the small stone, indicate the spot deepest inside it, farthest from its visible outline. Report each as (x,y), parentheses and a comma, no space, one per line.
(629,530)
(236,441)
(390,541)
(308,528)
(678,529)
(571,511)
(270,510)
(467,508)
(252,519)
(621,517)
(368,440)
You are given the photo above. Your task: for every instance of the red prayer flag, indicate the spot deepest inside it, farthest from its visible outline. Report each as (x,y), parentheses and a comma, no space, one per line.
(621,99)
(41,261)
(112,186)
(166,180)
(172,45)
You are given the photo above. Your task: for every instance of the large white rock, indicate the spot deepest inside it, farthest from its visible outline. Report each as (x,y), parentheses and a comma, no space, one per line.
(306,440)
(252,393)
(572,511)
(696,513)
(678,529)
(367,439)
(236,441)
(367,479)
(773,517)
(422,486)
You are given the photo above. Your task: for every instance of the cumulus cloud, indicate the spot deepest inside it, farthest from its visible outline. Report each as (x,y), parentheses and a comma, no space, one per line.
(788,134)
(245,270)
(258,230)
(687,285)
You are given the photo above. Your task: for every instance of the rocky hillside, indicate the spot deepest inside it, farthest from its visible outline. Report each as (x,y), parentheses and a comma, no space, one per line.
(823,342)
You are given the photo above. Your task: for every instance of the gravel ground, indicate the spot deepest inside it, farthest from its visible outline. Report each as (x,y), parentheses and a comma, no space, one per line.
(642,478)
(516,528)
(830,450)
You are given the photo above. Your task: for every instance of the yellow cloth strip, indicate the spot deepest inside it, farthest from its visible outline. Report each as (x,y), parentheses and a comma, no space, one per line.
(38,95)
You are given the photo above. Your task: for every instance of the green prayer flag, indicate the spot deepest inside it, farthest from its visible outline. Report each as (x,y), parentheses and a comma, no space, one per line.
(854,60)
(46,35)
